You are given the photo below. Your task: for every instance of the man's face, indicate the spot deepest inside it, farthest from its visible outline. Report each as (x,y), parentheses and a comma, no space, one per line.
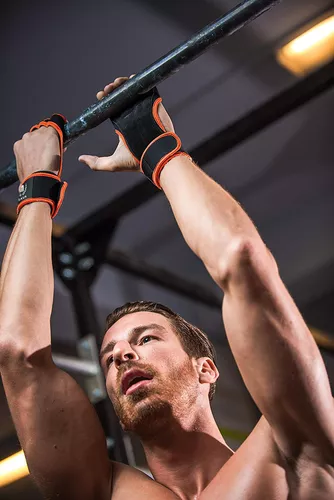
(146,341)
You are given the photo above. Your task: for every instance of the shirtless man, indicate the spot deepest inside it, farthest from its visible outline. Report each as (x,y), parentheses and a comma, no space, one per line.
(289,454)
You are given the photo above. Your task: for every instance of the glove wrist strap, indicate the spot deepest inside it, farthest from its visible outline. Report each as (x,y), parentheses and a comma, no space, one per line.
(42,186)
(158,153)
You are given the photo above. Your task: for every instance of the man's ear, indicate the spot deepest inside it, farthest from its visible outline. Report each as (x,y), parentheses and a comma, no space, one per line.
(207,371)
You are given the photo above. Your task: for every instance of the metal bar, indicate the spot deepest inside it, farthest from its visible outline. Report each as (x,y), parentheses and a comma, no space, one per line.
(224,140)
(75,365)
(167,65)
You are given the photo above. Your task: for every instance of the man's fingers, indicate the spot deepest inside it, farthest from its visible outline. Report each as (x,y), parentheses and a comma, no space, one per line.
(100,94)
(111,86)
(121,79)
(116,83)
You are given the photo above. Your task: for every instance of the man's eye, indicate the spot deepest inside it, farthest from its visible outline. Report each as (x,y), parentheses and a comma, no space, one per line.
(146,337)
(109,361)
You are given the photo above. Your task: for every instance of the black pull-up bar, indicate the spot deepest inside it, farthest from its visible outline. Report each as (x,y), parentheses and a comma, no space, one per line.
(126,95)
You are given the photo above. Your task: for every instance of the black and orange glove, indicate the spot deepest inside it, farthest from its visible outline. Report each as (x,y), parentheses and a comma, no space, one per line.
(44,185)
(145,136)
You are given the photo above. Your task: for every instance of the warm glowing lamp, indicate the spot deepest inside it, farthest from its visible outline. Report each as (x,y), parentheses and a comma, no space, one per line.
(311,49)
(13,468)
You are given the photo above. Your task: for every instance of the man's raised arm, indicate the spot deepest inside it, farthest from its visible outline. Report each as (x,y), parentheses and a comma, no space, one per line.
(276,354)
(58,429)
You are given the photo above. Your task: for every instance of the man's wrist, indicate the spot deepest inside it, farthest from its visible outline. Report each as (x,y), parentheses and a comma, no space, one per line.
(37,206)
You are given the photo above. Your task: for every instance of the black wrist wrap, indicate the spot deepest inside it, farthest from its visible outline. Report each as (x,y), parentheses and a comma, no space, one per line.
(145,136)
(44,185)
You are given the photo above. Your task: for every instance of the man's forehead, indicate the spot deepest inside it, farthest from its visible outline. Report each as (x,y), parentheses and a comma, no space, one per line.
(123,327)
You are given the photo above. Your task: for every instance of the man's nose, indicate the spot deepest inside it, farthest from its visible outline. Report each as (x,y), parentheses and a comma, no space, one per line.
(123,352)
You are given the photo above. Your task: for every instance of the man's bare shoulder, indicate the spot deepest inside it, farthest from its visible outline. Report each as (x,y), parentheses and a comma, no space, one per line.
(254,471)
(128,482)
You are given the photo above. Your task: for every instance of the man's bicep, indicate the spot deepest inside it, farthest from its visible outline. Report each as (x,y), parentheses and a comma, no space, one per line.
(58,429)
(278,358)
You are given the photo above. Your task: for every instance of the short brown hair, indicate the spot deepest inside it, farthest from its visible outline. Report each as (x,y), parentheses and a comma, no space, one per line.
(194,341)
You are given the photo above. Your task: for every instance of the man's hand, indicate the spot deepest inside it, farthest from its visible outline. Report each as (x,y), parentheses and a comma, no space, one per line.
(37,150)
(122,160)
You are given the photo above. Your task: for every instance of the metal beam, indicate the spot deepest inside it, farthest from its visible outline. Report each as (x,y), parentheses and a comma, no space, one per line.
(157,276)
(193,291)
(8,217)
(161,277)
(128,263)
(266,114)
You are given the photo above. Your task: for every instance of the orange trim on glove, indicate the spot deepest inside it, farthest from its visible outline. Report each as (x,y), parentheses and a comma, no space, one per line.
(156,114)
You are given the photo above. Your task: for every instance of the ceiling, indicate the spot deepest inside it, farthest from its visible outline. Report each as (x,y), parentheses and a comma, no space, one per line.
(55,56)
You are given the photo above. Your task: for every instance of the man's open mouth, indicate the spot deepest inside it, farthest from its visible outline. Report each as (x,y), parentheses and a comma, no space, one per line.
(137,383)
(134,379)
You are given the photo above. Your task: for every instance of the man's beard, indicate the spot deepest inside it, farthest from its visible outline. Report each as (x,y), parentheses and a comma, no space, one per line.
(153,406)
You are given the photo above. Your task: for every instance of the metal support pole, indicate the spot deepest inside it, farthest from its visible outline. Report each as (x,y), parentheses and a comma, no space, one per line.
(75,365)
(167,65)
(84,308)
(85,313)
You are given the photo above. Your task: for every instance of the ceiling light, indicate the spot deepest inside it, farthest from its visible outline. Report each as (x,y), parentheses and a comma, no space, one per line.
(13,468)
(310,49)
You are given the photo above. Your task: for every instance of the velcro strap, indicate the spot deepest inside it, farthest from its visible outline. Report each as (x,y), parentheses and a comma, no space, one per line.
(42,186)
(158,153)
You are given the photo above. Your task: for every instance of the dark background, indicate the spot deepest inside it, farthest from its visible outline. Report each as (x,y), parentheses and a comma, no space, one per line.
(56,55)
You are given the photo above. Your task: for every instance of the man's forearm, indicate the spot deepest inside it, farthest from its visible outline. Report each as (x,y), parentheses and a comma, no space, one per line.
(209,218)
(26,284)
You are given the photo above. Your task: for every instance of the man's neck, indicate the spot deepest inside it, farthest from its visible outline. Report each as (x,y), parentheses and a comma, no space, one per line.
(186,457)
